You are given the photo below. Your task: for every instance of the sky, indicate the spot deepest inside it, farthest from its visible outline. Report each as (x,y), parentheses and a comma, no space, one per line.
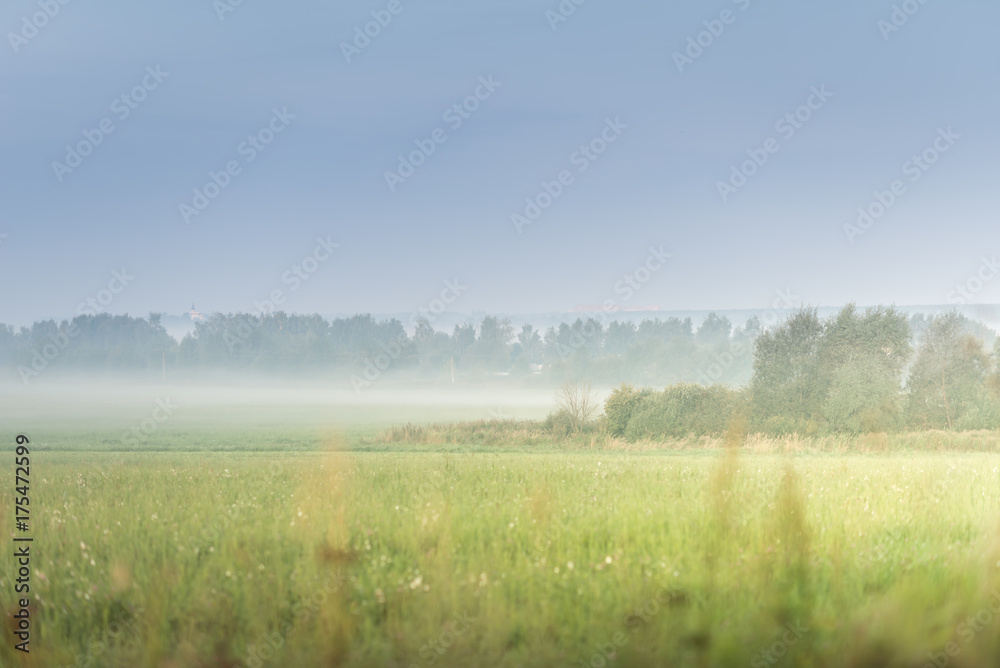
(354,185)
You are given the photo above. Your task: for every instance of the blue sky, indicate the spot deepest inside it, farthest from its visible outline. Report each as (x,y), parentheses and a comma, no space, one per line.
(323,175)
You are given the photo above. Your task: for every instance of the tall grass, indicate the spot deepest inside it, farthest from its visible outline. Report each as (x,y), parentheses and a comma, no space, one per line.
(513,559)
(494,433)
(520,434)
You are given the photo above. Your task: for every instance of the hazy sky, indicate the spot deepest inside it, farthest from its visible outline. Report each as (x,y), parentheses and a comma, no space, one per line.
(338,118)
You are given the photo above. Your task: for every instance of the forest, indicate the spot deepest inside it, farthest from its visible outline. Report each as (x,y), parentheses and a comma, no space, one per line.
(871,370)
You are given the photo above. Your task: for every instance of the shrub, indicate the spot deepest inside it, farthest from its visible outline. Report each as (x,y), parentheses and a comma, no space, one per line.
(578,402)
(984,413)
(620,405)
(559,423)
(682,410)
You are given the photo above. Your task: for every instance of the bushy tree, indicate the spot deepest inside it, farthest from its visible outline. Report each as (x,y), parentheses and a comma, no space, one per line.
(684,409)
(862,357)
(491,351)
(948,378)
(863,398)
(785,393)
(620,405)
(842,374)
(714,331)
(531,343)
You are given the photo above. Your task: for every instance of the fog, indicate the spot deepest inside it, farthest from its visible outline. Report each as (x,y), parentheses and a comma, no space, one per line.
(88,413)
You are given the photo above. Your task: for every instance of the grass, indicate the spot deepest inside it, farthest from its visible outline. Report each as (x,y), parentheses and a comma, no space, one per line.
(498,434)
(654,557)
(241,534)
(528,435)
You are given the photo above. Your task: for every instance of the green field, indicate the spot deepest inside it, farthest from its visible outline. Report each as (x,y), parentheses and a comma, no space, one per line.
(292,534)
(385,559)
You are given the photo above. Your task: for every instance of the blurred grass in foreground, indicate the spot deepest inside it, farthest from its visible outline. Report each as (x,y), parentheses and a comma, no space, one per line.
(507,559)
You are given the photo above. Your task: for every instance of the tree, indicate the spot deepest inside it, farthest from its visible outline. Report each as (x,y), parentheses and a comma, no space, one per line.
(948,378)
(994,379)
(861,360)
(620,405)
(531,343)
(863,398)
(492,349)
(714,331)
(578,401)
(423,332)
(618,338)
(844,373)
(462,339)
(785,394)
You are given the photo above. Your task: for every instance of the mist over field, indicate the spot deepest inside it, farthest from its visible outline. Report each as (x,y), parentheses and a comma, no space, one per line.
(499,334)
(82,408)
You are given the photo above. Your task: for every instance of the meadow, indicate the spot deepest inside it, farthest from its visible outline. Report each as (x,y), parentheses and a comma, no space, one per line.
(396,559)
(356,549)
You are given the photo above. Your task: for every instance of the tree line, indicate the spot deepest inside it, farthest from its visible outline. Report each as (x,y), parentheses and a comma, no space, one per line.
(871,371)
(656,351)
